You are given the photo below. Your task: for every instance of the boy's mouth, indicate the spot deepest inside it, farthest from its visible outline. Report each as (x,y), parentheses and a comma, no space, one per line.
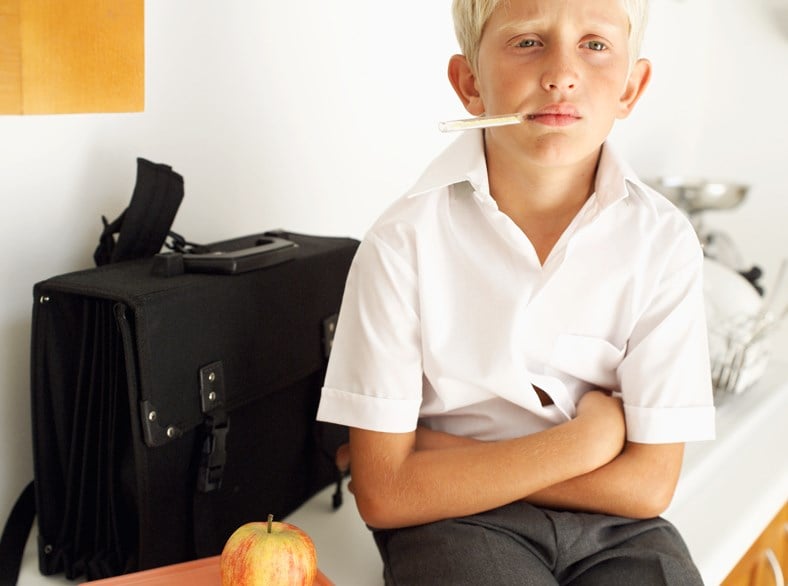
(555,115)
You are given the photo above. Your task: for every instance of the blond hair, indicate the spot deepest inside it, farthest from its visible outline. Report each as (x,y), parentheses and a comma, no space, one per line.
(470,17)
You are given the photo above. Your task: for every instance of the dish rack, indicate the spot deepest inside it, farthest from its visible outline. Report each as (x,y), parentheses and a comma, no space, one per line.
(740,346)
(740,350)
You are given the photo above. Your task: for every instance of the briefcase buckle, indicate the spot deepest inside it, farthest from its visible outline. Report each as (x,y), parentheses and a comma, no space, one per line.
(216,425)
(214,456)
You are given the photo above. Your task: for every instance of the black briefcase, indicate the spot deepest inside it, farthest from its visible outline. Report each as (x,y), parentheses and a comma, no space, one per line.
(174,399)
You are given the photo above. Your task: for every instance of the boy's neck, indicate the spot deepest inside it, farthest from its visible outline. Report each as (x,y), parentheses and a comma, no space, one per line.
(541,200)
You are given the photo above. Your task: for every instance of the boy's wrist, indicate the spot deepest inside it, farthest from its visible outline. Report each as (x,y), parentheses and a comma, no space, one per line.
(601,434)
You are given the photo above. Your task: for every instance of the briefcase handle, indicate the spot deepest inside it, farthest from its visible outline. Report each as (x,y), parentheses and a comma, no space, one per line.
(267,251)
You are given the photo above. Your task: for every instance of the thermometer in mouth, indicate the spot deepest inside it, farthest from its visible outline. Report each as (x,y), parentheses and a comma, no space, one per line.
(481,122)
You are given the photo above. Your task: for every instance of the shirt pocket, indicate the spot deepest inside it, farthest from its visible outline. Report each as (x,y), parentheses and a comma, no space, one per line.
(589,359)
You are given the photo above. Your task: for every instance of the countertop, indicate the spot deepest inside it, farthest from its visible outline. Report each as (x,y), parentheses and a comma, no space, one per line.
(729,490)
(732,487)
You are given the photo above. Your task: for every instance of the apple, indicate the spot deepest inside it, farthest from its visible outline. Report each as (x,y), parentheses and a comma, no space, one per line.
(268,554)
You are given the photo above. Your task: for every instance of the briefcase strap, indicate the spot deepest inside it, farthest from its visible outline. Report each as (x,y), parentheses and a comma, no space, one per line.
(15,534)
(144,225)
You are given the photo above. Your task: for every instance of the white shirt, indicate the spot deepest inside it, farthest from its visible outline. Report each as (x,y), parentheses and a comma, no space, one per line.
(449,320)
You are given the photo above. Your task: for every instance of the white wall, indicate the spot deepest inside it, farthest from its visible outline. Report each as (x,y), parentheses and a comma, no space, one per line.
(716,109)
(312,116)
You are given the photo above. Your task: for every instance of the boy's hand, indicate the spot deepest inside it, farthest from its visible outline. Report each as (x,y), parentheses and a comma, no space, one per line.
(342,458)
(600,399)
(604,414)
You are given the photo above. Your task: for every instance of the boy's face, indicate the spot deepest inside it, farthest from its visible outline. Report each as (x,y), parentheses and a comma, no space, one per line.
(563,63)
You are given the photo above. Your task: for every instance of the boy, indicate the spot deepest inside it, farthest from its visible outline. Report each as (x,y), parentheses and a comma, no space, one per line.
(521,352)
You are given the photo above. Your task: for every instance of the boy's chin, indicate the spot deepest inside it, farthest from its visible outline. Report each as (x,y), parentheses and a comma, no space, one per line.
(556,151)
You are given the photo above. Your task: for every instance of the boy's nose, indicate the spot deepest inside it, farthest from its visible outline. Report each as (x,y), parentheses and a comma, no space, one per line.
(559,73)
(563,82)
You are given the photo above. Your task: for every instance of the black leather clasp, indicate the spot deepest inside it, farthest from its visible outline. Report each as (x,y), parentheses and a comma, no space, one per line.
(215,426)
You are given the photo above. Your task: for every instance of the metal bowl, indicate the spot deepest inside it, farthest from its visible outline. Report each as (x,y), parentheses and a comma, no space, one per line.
(697,195)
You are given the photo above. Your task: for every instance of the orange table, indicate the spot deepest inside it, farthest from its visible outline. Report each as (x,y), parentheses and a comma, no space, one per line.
(202,572)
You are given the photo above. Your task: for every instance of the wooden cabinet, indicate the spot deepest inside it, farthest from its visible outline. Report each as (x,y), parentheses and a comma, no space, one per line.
(66,56)
(766,562)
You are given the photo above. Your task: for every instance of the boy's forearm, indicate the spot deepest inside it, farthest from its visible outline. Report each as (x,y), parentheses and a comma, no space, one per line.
(639,483)
(397,485)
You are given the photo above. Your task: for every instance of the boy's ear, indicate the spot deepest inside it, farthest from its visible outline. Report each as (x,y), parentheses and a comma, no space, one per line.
(463,80)
(636,85)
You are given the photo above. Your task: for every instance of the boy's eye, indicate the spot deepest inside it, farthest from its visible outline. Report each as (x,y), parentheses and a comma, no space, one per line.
(596,45)
(527,43)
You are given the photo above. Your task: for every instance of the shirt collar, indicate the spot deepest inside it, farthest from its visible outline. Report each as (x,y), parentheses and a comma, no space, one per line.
(615,180)
(464,160)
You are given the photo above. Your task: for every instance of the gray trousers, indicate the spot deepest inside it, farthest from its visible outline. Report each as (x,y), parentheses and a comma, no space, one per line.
(521,544)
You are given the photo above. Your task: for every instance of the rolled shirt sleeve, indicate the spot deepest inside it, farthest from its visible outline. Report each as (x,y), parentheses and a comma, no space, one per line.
(374,376)
(665,375)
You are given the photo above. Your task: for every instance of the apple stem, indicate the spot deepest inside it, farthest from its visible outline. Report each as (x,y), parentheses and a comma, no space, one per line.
(270,522)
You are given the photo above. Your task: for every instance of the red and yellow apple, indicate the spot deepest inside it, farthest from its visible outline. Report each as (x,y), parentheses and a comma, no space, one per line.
(268,554)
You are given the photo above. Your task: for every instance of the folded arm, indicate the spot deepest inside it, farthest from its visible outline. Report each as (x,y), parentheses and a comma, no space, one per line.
(639,483)
(396,483)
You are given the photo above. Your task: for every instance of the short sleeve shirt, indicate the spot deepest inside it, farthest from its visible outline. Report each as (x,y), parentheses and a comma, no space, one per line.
(450,321)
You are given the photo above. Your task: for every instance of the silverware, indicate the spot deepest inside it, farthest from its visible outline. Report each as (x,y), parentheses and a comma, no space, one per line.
(747,340)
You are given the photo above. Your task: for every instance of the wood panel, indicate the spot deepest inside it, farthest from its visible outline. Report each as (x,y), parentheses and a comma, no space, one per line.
(10,58)
(72,56)
(754,569)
